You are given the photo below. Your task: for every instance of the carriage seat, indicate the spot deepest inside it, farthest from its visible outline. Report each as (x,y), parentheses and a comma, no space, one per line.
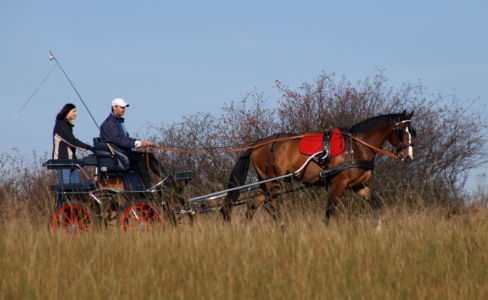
(58,164)
(114,165)
(110,160)
(84,186)
(54,164)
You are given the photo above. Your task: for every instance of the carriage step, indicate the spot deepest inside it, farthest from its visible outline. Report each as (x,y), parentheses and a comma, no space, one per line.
(203,210)
(186,212)
(237,203)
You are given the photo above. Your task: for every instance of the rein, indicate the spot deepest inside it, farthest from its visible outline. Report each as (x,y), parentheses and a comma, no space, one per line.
(187,151)
(381,150)
(231,150)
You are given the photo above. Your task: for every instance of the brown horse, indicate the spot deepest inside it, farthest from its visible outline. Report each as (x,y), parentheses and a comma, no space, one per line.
(348,170)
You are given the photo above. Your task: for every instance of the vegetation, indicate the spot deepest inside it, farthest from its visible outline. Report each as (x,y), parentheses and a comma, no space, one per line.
(452,138)
(419,254)
(432,245)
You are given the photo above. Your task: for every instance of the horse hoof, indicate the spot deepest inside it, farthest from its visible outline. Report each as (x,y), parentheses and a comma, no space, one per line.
(378,226)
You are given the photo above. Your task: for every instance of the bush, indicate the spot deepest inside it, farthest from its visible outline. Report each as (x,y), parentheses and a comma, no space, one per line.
(451,138)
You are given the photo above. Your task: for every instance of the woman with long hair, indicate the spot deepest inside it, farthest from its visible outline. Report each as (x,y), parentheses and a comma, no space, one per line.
(65,143)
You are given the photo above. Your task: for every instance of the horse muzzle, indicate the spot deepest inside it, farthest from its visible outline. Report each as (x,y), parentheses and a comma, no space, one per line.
(405,152)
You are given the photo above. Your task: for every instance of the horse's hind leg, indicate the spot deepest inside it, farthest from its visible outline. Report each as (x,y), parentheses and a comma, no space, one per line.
(255,203)
(271,205)
(226,210)
(273,209)
(375,203)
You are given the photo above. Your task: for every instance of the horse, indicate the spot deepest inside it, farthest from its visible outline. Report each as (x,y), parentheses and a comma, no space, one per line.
(278,155)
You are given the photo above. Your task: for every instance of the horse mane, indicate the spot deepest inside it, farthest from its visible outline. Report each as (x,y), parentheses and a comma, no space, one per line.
(373,123)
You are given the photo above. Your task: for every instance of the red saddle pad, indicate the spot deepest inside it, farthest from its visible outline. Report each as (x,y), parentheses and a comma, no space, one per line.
(314,142)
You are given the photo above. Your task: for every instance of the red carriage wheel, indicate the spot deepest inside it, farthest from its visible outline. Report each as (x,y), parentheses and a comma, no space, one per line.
(141,216)
(73,217)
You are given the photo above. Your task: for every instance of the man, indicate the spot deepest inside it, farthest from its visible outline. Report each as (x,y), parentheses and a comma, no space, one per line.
(114,132)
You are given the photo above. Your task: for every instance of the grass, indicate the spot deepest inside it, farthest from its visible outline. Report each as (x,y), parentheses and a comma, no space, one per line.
(420,254)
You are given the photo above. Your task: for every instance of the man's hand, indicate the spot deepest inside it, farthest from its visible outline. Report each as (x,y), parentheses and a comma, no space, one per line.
(145,143)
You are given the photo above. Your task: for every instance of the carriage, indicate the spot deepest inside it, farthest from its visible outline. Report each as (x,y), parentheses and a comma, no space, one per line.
(115,196)
(111,194)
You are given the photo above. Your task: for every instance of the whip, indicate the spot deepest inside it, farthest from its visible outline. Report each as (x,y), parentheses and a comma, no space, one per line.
(52,57)
(17,114)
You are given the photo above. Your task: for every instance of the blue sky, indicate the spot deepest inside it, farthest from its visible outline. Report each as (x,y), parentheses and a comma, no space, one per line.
(169,59)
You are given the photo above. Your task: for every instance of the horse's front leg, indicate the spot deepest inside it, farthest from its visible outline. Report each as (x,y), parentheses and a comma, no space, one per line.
(375,203)
(336,190)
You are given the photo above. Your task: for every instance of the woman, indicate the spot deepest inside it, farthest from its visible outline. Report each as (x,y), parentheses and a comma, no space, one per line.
(65,143)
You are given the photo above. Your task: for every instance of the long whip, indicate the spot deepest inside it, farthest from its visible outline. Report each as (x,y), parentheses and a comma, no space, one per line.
(52,57)
(17,114)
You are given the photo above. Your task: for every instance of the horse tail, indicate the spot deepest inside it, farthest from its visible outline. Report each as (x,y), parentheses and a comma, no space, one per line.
(238,175)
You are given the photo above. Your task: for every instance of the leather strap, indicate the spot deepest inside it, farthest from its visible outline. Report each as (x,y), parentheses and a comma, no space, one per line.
(381,150)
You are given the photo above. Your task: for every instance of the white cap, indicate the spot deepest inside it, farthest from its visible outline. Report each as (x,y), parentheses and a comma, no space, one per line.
(119,102)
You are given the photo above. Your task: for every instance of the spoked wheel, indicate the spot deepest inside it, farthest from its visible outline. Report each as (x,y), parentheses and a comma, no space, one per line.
(74,217)
(141,216)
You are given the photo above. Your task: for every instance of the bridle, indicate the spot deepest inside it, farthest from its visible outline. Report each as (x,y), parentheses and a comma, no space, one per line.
(399,135)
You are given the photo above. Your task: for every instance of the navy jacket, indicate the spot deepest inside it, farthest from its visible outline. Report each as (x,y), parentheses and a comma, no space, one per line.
(64,142)
(112,132)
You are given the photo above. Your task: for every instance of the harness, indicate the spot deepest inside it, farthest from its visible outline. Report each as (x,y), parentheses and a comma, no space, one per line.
(271,157)
(328,173)
(361,164)
(323,158)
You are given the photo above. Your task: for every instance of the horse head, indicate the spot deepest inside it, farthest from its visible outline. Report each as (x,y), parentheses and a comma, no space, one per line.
(402,135)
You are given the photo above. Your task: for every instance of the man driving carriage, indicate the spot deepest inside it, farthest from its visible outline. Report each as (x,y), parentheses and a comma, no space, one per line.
(113,131)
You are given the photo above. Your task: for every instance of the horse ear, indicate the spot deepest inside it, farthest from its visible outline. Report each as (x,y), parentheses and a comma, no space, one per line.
(404,113)
(409,116)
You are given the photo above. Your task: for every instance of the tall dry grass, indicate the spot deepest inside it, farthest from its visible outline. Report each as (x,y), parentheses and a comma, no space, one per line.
(418,254)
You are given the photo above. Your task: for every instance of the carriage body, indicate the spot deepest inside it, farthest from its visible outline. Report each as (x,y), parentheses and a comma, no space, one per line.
(109,195)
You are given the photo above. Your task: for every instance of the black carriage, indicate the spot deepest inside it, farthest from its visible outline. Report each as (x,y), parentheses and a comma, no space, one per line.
(112,194)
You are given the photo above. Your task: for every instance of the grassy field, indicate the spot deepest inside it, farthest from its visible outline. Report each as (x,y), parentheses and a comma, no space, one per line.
(422,255)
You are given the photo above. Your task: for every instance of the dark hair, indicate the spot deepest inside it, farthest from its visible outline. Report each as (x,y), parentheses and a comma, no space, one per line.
(64,111)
